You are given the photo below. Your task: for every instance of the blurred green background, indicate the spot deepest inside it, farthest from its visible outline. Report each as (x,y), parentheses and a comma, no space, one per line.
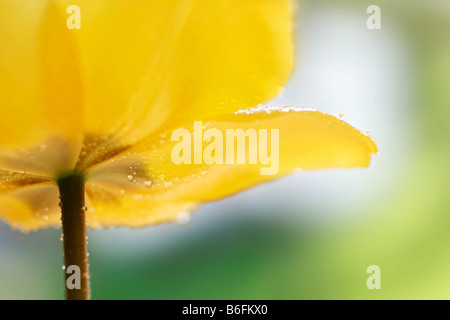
(311,235)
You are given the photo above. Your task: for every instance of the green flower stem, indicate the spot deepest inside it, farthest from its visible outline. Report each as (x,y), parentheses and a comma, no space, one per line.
(73,218)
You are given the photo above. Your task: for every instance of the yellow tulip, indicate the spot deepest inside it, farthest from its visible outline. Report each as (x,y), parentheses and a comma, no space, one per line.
(103,101)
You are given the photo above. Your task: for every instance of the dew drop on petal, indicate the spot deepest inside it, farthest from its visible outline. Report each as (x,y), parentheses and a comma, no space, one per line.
(130,178)
(183,218)
(168,184)
(148,183)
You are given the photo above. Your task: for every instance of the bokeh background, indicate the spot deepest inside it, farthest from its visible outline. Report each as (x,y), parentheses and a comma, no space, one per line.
(313,234)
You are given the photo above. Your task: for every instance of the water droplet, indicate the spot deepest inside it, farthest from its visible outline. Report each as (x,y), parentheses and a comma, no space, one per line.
(138,197)
(168,184)
(183,218)
(148,183)
(130,178)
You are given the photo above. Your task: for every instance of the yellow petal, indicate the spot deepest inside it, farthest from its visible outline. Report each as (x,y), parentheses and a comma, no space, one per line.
(31,207)
(307,140)
(40,90)
(10,181)
(150,62)
(110,206)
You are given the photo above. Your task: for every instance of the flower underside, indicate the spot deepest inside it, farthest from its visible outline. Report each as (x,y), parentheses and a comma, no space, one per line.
(105,100)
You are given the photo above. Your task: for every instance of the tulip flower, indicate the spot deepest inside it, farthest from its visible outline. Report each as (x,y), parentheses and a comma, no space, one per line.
(92,116)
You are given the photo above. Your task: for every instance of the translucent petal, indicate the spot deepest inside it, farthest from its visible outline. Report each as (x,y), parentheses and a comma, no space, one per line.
(110,206)
(31,207)
(146,63)
(307,140)
(41,110)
